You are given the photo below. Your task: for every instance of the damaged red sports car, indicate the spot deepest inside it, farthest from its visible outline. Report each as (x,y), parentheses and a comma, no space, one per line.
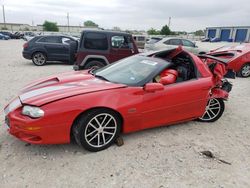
(143,91)
(236,57)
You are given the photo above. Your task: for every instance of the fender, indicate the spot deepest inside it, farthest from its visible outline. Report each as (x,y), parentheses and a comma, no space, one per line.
(94,56)
(219,93)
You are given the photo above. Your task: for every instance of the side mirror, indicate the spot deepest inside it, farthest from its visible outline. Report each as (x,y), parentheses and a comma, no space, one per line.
(170,79)
(152,87)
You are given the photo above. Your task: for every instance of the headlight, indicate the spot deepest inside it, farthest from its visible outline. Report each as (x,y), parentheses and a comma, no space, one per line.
(32,111)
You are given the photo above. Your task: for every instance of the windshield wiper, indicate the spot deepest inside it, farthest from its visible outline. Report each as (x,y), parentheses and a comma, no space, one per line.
(101,77)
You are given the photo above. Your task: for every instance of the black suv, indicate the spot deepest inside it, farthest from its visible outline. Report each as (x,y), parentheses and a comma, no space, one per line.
(50,48)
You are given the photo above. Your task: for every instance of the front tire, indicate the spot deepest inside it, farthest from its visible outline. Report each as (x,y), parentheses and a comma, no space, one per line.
(97,129)
(214,110)
(39,59)
(94,65)
(245,71)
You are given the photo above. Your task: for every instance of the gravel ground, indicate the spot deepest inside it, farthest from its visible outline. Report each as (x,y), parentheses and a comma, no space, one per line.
(162,157)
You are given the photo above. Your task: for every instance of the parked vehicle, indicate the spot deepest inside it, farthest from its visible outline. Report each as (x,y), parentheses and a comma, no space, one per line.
(4,37)
(27,36)
(11,35)
(42,49)
(237,58)
(140,40)
(153,40)
(139,92)
(168,43)
(19,35)
(100,48)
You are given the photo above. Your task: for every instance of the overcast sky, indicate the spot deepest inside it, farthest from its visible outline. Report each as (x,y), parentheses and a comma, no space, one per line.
(187,15)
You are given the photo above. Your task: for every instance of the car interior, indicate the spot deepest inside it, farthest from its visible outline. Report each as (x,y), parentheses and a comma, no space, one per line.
(181,62)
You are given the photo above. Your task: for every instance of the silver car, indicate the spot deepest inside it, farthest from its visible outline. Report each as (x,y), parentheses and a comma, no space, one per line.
(169,43)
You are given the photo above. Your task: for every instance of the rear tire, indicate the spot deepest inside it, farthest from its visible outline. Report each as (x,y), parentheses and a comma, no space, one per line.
(94,64)
(245,70)
(39,58)
(97,129)
(214,110)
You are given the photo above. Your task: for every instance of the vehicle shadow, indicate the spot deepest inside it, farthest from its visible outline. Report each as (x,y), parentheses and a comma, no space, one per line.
(49,63)
(72,149)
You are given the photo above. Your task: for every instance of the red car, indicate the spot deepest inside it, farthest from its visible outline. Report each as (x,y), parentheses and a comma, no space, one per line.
(139,92)
(237,57)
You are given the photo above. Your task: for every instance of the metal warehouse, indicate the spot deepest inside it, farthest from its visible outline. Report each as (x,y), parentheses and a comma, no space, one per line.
(230,34)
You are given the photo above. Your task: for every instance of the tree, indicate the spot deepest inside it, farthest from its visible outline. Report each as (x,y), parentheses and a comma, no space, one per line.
(4,28)
(90,23)
(165,30)
(153,31)
(199,33)
(50,26)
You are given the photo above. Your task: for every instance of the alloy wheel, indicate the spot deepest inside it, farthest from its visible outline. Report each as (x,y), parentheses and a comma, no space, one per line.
(39,59)
(213,109)
(100,130)
(245,71)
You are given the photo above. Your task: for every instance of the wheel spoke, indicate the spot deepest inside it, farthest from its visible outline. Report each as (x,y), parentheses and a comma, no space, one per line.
(97,122)
(93,137)
(91,133)
(212,112)
(104,120)
(109,127)
(214,108)
(107,122)
(208,115)
(92,126)
(98,139)
(103,137)
(213,104)
(106,132)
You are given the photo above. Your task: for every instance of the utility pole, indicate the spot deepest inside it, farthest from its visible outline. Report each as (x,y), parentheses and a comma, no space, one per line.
(4,17)
(68,20)
(169,22)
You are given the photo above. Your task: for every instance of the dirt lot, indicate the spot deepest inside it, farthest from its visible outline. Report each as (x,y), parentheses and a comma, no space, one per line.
(162,157)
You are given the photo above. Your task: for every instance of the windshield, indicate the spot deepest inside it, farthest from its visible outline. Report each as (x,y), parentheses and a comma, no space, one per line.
(153,40)
(132,71)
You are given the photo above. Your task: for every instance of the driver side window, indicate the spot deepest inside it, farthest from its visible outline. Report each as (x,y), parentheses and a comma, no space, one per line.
(123,42)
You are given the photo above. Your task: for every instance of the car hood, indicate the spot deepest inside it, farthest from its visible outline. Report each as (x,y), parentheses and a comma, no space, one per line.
(62,86)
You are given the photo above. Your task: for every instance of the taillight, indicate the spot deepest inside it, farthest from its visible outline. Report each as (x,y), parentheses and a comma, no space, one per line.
(26,45)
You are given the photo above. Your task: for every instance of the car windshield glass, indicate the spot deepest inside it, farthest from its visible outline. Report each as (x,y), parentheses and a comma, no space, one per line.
(131,71)
(153,40)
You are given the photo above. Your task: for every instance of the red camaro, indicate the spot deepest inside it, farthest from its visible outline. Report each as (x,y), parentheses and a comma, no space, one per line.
(139,92)
(237,58)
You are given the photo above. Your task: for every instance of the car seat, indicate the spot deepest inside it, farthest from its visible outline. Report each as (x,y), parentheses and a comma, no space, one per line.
(168,76)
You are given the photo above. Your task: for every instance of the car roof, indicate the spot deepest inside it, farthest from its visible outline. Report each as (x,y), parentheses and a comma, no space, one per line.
(40,36)
(105,31)
(167,38)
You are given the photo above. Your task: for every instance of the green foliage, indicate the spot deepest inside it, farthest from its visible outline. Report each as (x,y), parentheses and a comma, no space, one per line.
(4,28)
(199,33)
(50,26)
(153,31)
(165,30)
(90,23)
